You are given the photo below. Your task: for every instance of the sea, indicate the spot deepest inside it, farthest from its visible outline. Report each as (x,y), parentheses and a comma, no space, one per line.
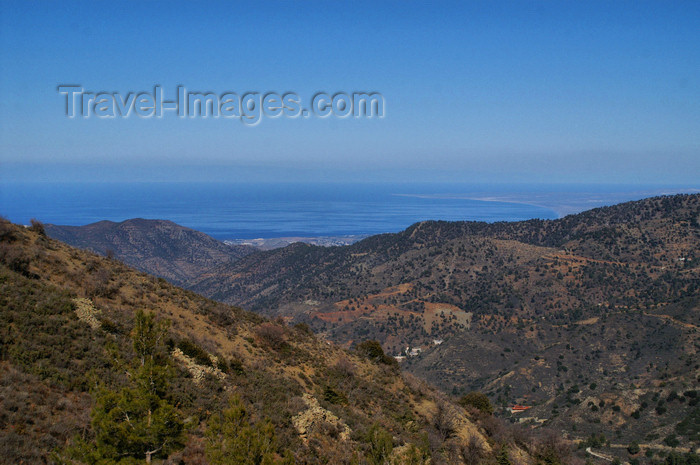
(229,211)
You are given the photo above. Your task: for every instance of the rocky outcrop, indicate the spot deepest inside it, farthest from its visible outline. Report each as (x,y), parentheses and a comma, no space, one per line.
(87,312)
(315,417)
(198,372)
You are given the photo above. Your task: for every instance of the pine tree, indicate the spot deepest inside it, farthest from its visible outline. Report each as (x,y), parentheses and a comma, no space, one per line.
(381,445)
(232,439)
(136,421)
(503,458)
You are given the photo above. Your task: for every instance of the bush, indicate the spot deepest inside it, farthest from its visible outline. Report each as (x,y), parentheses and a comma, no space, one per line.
(690,425)
(8,233)
(236,367)
(15,259)
(671,440)
(333,396)
(477,400)
(195,352)
(37,226)
(373,351)
(472,450)
(98,284)
(633,448)
(676,458)
(594,441)
(112,327)
(444,421)
(233,437)
(271,335)
(303,328)
(380,445)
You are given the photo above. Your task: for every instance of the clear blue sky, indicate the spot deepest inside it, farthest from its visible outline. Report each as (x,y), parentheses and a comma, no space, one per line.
(489,91)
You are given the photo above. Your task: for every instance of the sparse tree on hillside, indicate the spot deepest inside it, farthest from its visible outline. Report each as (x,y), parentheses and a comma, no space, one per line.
(477,400)
(37,226)
(135,422)
(232,439)
(380,445)
(472,451)
(444,420)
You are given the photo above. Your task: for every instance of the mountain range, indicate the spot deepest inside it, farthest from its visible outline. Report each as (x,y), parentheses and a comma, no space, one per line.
(590,320)
(102,364)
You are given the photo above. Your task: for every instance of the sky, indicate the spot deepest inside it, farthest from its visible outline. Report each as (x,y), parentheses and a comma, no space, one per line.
(527,91)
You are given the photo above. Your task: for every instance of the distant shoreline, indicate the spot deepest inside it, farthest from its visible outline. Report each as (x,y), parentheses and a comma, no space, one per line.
(561,203)
(279,242)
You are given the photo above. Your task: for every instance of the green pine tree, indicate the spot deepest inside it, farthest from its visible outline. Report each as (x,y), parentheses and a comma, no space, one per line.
(381,444)
(503,458)
(233,439)
(135,422)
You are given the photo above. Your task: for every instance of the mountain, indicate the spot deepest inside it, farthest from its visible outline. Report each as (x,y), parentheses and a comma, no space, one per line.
(635,254)
(158,247)
(532,312)
(100,363)
(590,320)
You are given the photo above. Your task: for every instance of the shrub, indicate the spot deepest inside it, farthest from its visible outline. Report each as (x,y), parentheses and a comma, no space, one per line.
(195,352)
(232,437)
(690,425)
(236,367)
(380,443)
(15,259)
(343,369)
(671,440)
(8,232)
(37,226)
(676,458)
(633,448)
(503,456)
(271,335)
(333,396)
(98,284)
(472,451)
(444,421)
(477,400)
(303,328)
(373,351)
(111,327)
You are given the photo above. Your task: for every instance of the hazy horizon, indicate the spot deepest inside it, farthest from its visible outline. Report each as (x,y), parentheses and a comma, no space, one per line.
(575,92)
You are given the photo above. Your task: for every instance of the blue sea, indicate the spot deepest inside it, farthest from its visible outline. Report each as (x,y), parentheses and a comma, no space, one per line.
(267,210)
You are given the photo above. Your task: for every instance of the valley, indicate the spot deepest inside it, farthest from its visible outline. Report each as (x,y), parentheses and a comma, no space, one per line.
(590,320)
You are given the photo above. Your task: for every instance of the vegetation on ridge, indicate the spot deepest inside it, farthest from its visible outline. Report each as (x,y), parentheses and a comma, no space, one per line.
(117,392)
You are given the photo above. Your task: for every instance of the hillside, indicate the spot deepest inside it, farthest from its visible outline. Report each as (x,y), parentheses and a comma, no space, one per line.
(529,312)
(102,364)
(436,278)
(158,247)
(591,320)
